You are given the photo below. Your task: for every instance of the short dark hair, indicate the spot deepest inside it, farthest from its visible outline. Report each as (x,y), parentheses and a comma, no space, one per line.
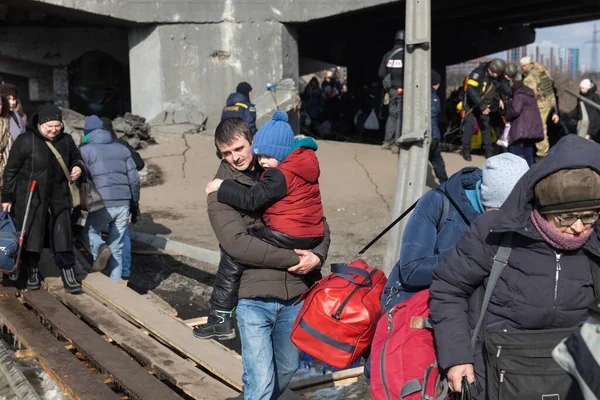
(232,128)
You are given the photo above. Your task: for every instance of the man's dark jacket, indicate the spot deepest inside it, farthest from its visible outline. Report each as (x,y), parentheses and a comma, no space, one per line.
(479,83)
(239,106)
(269,277)
(534,291)
(396,70)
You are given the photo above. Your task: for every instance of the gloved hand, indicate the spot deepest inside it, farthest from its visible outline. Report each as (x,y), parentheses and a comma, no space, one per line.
(134,209)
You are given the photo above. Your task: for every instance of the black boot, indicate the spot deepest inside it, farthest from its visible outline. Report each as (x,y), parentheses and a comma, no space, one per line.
(219,326)
(466,154)
(34,281)
(69,281)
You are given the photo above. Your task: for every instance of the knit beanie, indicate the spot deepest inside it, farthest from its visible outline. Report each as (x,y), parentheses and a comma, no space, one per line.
(8,89)
(436,79)
(49,112)
(244,88)
(500,174)
(568,190)
(586,84)
(274,138)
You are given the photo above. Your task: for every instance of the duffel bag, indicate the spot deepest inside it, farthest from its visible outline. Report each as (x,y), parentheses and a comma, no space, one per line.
(340,312)
(9,243)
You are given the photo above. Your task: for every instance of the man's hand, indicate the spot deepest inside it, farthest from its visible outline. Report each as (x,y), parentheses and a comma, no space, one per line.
(555,118)
(456,373)
(486,111)
(75,173)
(308,262)
(501,105)
(213,186)
(6,207)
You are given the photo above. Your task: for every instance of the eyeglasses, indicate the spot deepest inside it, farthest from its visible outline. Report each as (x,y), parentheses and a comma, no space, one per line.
(569,219)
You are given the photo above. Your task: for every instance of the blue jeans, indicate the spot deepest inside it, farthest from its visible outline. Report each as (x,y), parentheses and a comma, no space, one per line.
(117,219)
(269,357)
(126,255)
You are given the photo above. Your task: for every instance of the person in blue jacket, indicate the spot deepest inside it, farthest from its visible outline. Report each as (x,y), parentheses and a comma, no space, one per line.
(239,105)
(435,149)
(459,201)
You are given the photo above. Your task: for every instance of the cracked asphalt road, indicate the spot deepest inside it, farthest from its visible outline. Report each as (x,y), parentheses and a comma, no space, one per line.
(358,183)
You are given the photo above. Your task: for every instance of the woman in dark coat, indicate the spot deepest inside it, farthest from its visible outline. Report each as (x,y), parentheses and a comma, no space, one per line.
(553,270)
(526,124)
(50,212)
(587,116)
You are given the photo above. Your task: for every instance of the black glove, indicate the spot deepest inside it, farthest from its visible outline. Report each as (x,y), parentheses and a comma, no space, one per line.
(134,209)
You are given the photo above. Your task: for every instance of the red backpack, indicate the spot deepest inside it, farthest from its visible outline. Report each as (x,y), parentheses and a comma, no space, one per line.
(337,321)
(403,363)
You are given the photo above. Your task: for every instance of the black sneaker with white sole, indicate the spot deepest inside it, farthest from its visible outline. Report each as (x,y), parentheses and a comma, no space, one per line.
(70,283)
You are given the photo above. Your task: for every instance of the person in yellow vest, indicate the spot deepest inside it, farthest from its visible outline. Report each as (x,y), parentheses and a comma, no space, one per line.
(239,105)
(540,81)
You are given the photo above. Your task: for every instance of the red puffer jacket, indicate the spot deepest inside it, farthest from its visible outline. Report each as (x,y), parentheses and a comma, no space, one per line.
(289,193)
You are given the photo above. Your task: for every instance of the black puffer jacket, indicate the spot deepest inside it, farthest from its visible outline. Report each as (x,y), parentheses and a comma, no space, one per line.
(540,288)
(593,113)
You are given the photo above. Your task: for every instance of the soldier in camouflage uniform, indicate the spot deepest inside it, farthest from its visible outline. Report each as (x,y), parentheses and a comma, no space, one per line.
(540,81)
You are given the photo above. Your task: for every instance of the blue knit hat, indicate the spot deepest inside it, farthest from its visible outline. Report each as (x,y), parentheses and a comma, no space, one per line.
(274,138)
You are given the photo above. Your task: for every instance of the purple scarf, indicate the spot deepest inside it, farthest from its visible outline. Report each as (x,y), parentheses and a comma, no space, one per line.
(555,238)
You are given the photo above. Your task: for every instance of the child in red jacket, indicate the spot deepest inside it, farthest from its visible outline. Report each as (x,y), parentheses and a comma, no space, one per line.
(288,192)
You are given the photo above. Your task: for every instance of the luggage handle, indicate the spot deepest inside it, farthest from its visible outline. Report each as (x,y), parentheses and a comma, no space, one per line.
(6,215)
(344,272)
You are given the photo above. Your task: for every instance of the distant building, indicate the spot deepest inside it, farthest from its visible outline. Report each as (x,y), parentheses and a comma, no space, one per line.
(573,62)
(553,57)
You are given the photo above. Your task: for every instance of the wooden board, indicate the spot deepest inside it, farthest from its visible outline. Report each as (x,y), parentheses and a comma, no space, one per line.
(211,355)
(130,375)
(184,375)
(66,370)
(332,379)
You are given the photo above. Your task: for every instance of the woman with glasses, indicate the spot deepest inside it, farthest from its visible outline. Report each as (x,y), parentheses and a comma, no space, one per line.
(549,222)
(32,158)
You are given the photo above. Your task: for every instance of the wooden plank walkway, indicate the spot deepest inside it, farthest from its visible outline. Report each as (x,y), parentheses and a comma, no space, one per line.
(66,370)
(179,371)
(130,375)
(216,358)
(213,356)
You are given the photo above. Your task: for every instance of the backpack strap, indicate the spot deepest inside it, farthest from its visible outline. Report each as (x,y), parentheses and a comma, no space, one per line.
(444,211)
(500,261)
(460,212)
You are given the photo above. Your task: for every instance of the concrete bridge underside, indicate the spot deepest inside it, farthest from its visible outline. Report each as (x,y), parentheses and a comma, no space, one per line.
(188,55)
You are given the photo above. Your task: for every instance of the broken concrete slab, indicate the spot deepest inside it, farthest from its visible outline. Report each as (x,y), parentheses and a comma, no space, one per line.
(177,117)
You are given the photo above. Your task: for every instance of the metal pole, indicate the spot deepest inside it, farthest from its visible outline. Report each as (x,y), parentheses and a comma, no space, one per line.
(587,101)
(416,126)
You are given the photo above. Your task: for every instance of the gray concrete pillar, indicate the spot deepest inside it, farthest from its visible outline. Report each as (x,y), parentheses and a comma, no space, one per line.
(61,86)
(191,68)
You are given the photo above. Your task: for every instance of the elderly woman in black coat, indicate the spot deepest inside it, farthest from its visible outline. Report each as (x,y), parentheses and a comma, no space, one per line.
(31,158)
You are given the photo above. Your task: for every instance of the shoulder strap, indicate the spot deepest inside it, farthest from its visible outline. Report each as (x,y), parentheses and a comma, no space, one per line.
(395,52)
(462,215)
(60,161)
(444,211)
(500,261)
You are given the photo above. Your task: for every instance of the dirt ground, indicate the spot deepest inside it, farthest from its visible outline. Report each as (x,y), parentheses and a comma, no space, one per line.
(358,182)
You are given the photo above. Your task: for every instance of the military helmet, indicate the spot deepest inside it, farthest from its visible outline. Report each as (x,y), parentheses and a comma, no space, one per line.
(498,66)
(512,70)
(399,35)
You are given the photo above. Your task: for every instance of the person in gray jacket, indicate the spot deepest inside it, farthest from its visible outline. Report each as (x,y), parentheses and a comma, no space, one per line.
(114,173)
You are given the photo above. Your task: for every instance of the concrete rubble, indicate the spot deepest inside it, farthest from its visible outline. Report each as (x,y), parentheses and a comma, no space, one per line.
(132,128)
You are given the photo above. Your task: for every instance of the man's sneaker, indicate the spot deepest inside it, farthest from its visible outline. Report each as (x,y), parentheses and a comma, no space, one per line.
(101,261)
(70,283)
(386,146)
(34,281)
(219,326)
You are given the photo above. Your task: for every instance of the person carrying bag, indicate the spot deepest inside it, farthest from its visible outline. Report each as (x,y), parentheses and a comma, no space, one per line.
(539,295)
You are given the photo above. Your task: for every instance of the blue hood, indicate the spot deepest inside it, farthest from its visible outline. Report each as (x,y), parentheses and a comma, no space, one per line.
(99,136)
(455,187)
(237,98)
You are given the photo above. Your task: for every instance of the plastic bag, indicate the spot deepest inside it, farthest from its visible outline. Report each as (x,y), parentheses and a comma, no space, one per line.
(504,139)
(372,123)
